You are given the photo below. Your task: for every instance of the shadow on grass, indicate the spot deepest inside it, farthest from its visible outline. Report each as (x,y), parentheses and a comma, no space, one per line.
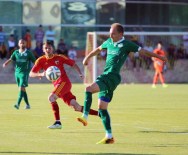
(171,132)
(71,153)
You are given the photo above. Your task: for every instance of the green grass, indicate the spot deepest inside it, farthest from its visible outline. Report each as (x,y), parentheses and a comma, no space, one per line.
(144,121)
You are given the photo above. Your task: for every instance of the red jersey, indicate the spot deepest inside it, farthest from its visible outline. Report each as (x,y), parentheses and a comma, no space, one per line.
(161,53)
(57,60)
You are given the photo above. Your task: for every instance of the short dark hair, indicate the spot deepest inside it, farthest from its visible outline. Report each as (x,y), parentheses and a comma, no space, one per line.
(47,43)
(160,42)
(119,27)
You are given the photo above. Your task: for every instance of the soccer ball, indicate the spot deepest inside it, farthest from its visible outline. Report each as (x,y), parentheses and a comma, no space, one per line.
(53,73)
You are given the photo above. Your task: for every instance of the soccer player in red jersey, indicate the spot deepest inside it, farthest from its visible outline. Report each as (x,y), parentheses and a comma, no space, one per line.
(62,86)
(158,66)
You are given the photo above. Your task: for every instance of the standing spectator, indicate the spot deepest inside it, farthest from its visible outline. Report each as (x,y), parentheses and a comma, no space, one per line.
(159,65)
(147,60)
(14,32)
(62,48)
(11,45)
(185,44)
(171,53)
(2,36)
(137,60)
(72,53)
(39,35)
(3,51)
(38,50)
(50,35)
(22,58)
(181,52)
(28,38)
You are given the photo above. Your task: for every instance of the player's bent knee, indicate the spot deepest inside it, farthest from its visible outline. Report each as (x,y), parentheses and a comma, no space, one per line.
(88,89)
(52,98)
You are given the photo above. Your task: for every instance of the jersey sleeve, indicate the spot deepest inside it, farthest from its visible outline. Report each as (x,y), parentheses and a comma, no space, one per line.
(105,43)
(37,66)
(133,47)
(67,61)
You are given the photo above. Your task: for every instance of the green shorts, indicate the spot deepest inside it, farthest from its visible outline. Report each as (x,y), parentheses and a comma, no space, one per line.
(107,84)
(22,79)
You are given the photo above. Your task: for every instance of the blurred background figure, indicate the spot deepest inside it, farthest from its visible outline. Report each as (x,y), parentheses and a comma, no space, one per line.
(62,47)
(2,36)
(38,51)
(171,54)
(11,45)
(50,36)
(3,51)
(185,44)
(39,35)
(28,38)
(148,46)
(72,53)
(137,60)
(181,52)
(159,66)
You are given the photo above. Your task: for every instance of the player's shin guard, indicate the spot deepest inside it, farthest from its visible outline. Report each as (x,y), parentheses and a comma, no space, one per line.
(87,103)
(105,117)
(55,109)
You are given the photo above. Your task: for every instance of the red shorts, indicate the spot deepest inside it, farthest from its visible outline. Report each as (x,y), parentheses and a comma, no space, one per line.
(63,91)
(159,67)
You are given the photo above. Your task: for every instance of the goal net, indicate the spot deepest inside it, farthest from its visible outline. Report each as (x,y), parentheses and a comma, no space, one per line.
(96,64)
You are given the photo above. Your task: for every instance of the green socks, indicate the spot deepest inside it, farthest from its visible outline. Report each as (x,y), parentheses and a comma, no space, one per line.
(25,98)
(105,117)
(21,95)
(87,103)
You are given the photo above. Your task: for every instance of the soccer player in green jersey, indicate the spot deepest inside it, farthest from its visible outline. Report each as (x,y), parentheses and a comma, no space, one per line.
(22,59)
(118,48)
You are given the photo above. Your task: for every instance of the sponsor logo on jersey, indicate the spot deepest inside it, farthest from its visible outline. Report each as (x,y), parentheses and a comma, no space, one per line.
(114,52)
(120,45)
(57,62)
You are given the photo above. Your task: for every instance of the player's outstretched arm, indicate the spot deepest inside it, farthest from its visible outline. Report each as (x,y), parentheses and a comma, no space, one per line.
(6,63)
(151,54)
(33,74)
(91,54)
(76,67)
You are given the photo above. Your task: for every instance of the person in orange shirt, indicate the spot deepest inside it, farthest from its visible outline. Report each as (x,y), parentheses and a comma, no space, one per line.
(158,65)
(28,38)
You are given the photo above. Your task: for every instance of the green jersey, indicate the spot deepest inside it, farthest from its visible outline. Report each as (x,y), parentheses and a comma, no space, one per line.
(22,61)
(117,53)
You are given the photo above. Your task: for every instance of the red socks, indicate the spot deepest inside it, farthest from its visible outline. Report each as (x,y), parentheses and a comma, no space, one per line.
(91,112)
(55,109)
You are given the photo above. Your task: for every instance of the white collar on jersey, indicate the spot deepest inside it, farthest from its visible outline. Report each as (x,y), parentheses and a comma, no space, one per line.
(22,52)
(115,43)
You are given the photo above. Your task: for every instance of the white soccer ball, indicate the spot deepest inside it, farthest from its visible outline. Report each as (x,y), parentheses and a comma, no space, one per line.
(53,73)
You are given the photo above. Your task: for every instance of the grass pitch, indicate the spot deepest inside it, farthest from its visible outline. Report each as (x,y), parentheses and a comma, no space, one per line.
(145,121)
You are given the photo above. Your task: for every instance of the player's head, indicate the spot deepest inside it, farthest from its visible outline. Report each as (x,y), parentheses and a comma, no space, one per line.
(116,32)
(21,44)
(48,48)
(159,45)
